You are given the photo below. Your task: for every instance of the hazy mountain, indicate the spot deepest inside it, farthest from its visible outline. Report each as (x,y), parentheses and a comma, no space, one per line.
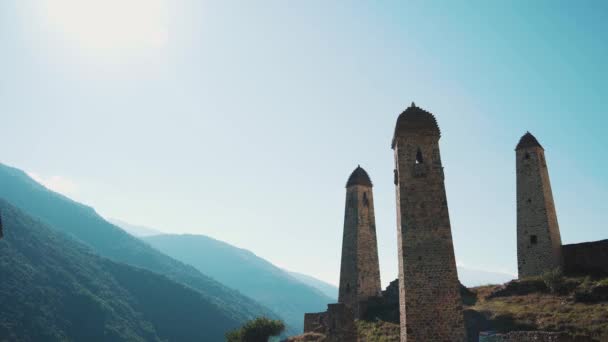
(468,277)
(471,277)
(246,272)
(85,225)
(138,231)
(327,289)
(53,288)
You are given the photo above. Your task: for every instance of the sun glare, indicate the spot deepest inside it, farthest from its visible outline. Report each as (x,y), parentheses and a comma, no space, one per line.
(109,25)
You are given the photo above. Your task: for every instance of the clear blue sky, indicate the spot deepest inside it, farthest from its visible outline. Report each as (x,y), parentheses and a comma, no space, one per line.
(242,121)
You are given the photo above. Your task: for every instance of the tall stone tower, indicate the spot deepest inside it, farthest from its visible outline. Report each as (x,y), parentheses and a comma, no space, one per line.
(429,293)
(359,271)
(539,245)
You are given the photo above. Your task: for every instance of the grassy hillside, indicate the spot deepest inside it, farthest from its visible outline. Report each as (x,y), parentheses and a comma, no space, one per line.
(576,306)
(53,288)
(242,270)
(83,224)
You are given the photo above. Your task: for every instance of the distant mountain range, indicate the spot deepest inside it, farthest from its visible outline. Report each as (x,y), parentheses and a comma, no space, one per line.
(242,270)
(471,277)
(54,288)
(135,230)
(85,226)
(327,289)
(468,276)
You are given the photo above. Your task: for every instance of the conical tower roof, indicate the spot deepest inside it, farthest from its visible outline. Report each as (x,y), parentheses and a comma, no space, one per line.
(415,119)
(526,141)
(359,177)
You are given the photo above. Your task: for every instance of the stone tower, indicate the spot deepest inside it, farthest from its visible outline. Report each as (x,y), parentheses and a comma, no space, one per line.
(539,245)
(429,294)
(359,270)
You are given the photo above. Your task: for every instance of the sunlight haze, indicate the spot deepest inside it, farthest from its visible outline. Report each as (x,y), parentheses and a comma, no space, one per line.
(108,27)
(243,120)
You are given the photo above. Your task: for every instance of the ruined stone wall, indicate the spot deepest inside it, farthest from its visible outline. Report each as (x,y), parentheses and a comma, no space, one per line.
(315,322)
(531,336)
(340,324)
(430,302)
(588,258)
(385,308)
(538,236)
(337,323)
(359,269)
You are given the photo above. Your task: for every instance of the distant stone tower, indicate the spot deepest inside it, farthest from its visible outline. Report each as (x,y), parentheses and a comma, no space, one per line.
(539,245)
(359,270)
(429,293)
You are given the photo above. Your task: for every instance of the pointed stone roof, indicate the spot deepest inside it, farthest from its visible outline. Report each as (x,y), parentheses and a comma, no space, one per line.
(526,141)
(359,177)
(416,120)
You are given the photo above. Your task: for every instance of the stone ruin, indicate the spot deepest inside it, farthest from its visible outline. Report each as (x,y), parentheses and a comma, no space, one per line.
(359,268)
(429,294)
(337,323)
(426,298)
(539,245)
(531,336)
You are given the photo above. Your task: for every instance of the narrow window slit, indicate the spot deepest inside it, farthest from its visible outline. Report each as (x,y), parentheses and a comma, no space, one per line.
(419,159)
(533,239)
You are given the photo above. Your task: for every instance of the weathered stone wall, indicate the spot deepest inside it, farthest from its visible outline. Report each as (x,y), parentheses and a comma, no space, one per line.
(340,324)
(337,323)
(531,336)
(588,258)
(359,270)
(385,308)
(430,302)
(315,322)
(538,236)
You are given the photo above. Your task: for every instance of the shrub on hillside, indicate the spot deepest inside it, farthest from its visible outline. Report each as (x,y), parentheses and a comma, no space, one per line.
(554,279)
(257,330)
(592,292)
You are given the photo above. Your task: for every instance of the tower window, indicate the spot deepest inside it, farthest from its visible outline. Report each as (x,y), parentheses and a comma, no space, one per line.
(527,156)
(533,239)
(529,200)
(365,200)
(347,288)
(419,159)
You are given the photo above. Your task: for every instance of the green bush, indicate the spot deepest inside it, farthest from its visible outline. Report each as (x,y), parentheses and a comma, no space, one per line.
(257,330)
(554,279)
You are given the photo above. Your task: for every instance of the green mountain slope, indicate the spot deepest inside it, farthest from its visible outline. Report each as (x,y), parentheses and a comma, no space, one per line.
(246,272)
(86,226)
(53,288)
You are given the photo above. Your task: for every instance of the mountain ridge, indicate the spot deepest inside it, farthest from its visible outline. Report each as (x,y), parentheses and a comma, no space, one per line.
(326,288)
(54,288)
(83,224)
(244,271)
(135,230)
